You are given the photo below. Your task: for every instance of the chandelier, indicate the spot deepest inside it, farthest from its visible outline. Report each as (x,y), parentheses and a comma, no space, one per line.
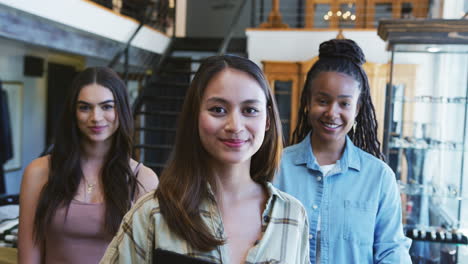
(341,14)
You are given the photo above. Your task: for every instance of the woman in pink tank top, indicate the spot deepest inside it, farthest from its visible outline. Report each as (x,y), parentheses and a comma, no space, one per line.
(72,201)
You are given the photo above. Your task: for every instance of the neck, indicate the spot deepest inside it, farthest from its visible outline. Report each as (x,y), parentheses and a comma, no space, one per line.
(92,151)
(234,183)
(327,152)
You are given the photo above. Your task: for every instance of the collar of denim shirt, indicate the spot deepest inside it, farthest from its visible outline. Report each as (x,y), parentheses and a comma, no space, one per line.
(349,159)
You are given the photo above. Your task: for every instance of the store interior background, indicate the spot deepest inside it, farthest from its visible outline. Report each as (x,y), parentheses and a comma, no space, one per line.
(75,34)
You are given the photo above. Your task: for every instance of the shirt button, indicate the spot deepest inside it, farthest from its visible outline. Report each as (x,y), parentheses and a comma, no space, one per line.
(319,178)
(311,236)
(315,207)
(266,218)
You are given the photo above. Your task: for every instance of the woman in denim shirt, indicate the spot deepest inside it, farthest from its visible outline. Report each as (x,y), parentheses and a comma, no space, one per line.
(335,167)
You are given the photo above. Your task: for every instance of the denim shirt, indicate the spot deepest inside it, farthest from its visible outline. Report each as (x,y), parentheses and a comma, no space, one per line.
(359,204)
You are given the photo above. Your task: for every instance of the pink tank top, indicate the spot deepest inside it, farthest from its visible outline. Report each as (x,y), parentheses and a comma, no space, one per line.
(82,238)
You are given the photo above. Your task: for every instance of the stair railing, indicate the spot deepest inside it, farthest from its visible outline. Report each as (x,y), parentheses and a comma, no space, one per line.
(224,45)
(125,50)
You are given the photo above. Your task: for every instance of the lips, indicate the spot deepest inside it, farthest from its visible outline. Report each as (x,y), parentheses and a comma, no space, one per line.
(330,126)
(97,129)
(233,143)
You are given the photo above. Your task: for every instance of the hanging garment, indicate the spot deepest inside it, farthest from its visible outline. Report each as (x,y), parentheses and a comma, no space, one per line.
(6,143)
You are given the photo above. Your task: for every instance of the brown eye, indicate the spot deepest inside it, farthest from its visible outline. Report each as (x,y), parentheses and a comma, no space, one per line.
(107,107)
(217,110)
(83,107)
(251,111)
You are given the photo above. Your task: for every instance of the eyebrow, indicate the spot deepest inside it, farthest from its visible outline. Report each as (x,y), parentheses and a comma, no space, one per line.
(101,103)
(339,96)
(224,101)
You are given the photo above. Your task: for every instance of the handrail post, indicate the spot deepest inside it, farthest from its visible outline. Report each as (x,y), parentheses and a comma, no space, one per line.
(274,18)
(224,45)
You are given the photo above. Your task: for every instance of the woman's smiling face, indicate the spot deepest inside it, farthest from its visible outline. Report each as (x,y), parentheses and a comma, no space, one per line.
(332,106)
(233,117)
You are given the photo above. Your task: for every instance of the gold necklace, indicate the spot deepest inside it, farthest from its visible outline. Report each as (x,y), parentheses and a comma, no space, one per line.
(89,186)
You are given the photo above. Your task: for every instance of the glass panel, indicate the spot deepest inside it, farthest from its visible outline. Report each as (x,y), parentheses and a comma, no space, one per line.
(283,99)
(382,11)
(322,16)
(429,145)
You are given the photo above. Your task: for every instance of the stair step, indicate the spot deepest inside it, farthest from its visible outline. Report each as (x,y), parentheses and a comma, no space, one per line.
(149,146)
(154,164)
(156,129)
(157,113)
(157,98)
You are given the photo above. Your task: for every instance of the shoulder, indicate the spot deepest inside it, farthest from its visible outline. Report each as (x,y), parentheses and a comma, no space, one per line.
(370,162)
(377,172)
(145,206)
(290,154)
(37,172)
(146,176)
(291,150)
(34,178)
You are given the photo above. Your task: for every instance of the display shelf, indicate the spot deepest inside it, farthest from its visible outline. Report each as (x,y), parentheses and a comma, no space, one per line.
(426,133)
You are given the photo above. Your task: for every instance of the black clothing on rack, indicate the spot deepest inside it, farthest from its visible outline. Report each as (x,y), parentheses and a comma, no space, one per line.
(6,143)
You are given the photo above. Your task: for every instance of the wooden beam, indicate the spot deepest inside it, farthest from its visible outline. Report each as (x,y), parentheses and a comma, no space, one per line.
(274,19)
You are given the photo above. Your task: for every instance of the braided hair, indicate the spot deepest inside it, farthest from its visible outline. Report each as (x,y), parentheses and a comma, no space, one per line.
(343,56)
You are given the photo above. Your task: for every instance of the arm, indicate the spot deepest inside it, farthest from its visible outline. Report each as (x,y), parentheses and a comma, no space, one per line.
(148,181)
(390,244)
(133,242)
(34,179)
(305,248)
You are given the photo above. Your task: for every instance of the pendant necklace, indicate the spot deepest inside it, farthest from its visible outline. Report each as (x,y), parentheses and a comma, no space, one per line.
(89,187)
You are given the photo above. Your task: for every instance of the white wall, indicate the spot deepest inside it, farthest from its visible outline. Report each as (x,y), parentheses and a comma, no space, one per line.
(34,105)
(301,45)
(90,17)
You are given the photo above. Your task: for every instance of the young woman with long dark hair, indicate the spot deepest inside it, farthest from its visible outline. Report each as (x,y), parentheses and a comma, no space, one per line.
(73,200)
(214,202)
(335,166)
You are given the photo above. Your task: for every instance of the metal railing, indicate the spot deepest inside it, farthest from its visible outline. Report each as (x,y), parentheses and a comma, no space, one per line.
(157,14)
(339,14)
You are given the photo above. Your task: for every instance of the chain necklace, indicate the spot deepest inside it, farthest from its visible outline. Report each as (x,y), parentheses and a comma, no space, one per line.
(89,186)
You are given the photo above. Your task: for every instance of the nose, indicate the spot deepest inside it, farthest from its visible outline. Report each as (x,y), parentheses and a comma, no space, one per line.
(332,111)
(234,123)
(96,115)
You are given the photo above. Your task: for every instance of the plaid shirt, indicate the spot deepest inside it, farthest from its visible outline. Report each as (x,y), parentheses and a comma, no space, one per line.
(284,233)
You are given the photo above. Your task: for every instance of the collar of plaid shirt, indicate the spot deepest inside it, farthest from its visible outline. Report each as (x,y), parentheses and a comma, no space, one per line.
(284,233)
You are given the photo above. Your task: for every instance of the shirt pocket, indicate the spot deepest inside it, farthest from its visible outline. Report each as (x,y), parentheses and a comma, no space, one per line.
(359,221)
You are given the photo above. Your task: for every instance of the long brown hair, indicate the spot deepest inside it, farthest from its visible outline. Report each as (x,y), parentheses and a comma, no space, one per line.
(65,172)
(184,183)
(343,56)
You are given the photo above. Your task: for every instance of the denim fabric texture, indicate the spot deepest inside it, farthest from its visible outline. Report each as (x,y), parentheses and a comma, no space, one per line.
(358,202)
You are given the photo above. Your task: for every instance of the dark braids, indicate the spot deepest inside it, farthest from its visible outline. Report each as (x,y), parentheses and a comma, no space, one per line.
(343,56)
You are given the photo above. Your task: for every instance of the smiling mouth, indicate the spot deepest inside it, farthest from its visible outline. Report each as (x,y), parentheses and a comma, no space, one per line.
(330,125)
(233,143)
(97,129)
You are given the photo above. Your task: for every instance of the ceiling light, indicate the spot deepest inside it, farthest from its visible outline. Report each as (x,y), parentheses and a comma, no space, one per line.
(433,49)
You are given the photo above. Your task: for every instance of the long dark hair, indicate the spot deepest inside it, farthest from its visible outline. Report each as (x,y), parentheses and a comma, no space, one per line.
(65,171)
(343,56)
(184,183)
